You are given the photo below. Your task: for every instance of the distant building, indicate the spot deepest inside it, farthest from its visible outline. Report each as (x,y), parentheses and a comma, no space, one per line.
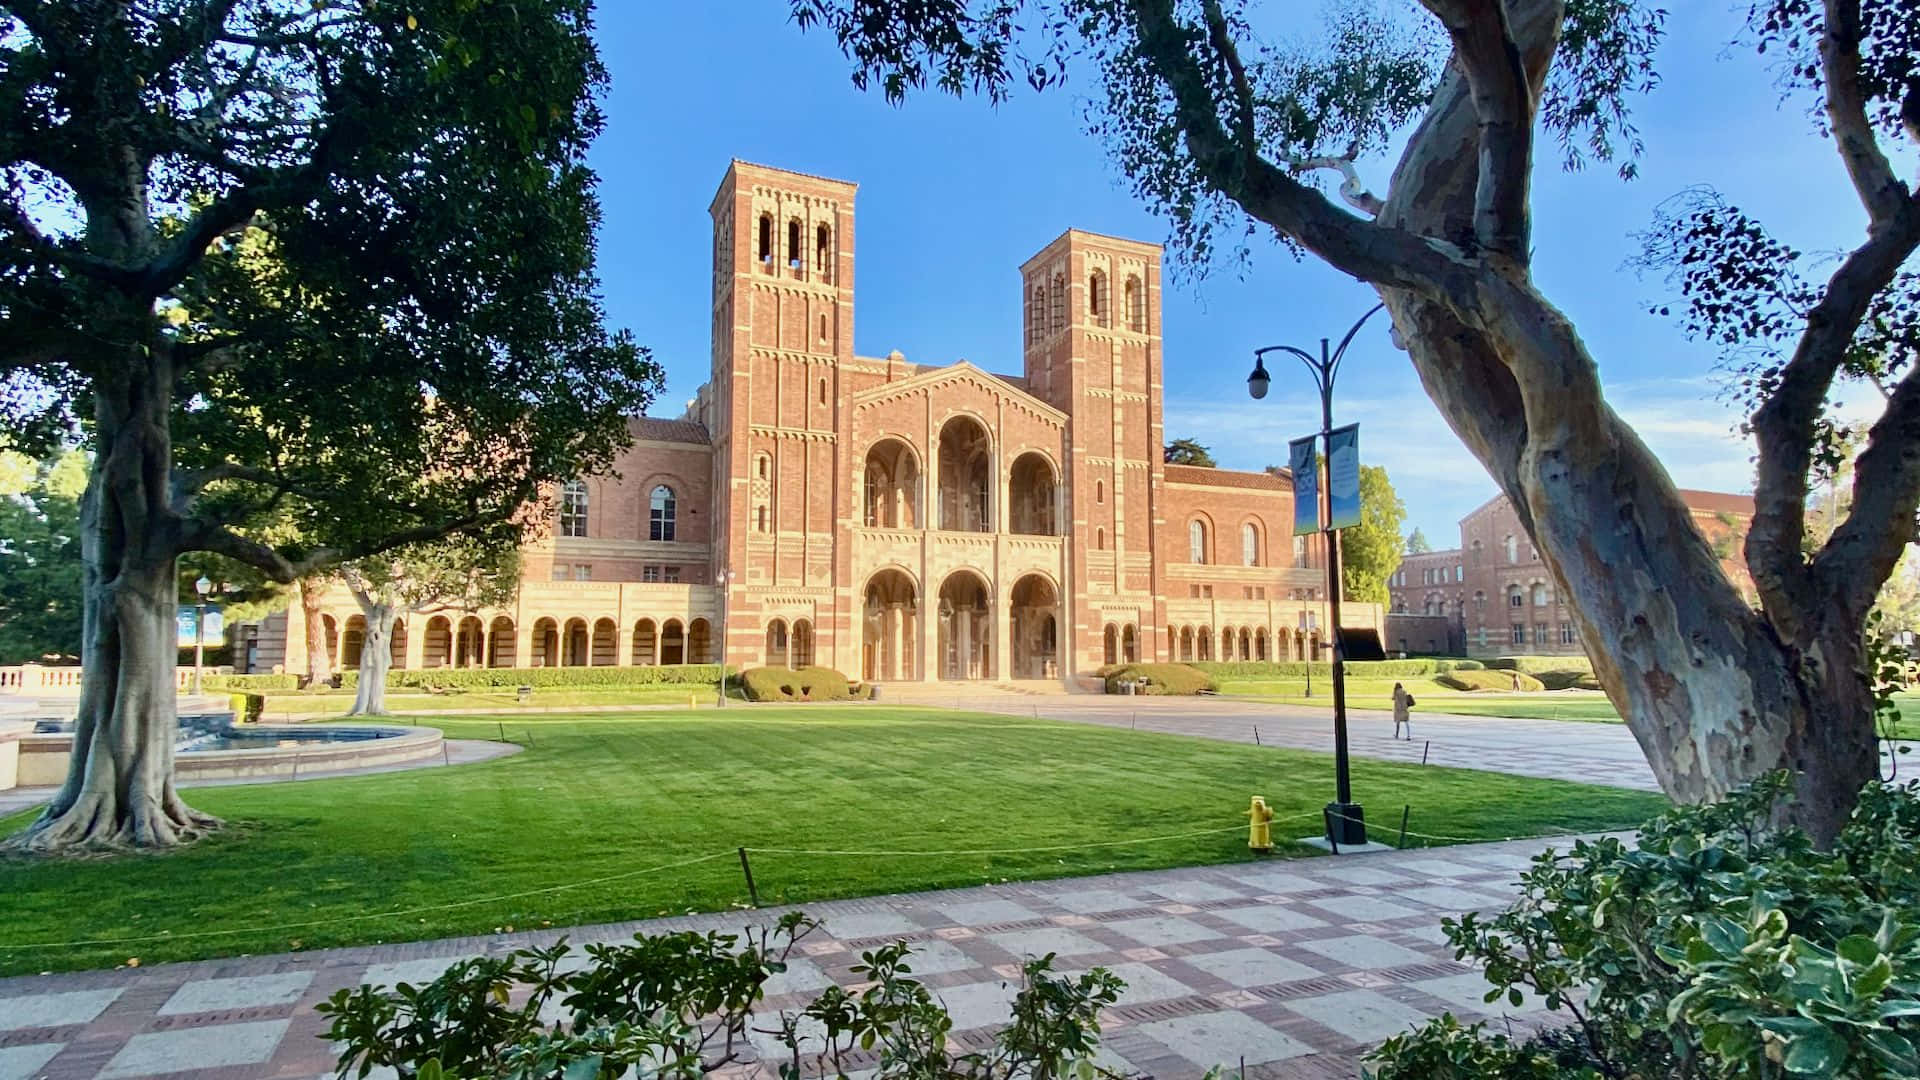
(1492,595)
(897,521)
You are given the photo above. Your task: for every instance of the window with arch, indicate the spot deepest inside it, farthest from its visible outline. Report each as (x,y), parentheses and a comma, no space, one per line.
(760,518)
(762,466)
(1037,314)
(1515,598)
(795,253)
(1136,299)
(1249,544)
(1540,595)
(1100,492)
(1100,539)
(1513,548)
(1097,299)
(1057,309)
(823,391)
(660,514)
(1197,541)
(823,252)
(766,238)
(573,509)
(1299,550)
(1479,600)
(823,326)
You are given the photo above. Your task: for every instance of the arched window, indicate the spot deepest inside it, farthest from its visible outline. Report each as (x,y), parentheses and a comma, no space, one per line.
(1299,550)
(1196,541)
(660,514)
(1057,310)
(777,643)
(1540,595)
(1100,491)
(1136,306)
(1249,545)
(823,253)
(1100,539)
(1097,298)
(1037,315)
(823,327)
(760,518)
(762,466)
(1479,600)
(573,509)
(1515,598)
(823,387)
(766,238)
(795,254)
(1513,548)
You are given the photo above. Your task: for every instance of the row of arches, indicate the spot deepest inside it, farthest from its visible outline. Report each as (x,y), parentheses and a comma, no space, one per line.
(962,634)
(796,250)
(1203,643)
(469,642)
(1047,305)
(963,490)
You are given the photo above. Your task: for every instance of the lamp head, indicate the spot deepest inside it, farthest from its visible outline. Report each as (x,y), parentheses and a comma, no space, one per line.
(203,586)
(1258,382)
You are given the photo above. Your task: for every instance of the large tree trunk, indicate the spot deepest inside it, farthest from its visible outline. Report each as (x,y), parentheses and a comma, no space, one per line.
(319,656)
(119,788)
(376,657)
(1712,691)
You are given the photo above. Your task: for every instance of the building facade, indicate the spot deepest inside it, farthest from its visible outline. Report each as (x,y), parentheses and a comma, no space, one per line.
(897,521)
(1493,596)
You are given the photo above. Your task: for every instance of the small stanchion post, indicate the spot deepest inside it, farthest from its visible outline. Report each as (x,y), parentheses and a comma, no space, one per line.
(1404,811)
(746,868)
(1424,750)
(296,765)
(503,730)
(445,757)
(529,738)
(1326,820)
(1136,722)
(1256,734)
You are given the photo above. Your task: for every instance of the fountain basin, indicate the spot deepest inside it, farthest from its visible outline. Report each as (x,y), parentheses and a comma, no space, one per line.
(253,751)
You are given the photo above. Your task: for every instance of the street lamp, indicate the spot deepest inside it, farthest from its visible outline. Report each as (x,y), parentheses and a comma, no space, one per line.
(1346,824)
(202,587)
(723,579)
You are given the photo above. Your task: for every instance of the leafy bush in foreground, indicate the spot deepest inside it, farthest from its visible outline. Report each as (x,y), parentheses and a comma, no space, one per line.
(681,1006)
(1488,680)
(1718,947)
(1162,679)
(796,684)
(249,682)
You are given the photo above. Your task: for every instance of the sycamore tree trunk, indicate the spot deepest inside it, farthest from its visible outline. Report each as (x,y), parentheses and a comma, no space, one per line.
(376,657)
(119,790)
(1715,691)
(319,656)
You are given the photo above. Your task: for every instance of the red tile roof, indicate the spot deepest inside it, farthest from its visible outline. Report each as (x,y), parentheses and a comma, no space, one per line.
(656,430)
(1717,502)
(1233,478)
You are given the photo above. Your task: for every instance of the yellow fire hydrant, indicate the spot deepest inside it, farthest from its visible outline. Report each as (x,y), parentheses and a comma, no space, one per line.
(1259,832)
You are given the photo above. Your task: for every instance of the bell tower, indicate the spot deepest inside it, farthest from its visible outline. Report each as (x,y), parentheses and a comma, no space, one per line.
(1091,335)
(782,327)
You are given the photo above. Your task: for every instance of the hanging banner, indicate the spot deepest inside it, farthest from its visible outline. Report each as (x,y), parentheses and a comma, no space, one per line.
(1304,461)
(1343,477)
(185,618)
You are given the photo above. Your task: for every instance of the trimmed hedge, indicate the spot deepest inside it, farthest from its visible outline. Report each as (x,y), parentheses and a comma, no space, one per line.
(1162,679)
(1568,680)
(1293,669)
(798,684)
(495,678)
(247,707)
(1488,680)
(1533,665)
(250,682)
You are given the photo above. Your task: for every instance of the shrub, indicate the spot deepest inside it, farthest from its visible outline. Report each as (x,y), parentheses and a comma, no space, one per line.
(1467,665)
(680,1006)
(796,684)
(494,678)
(1294,669)
(250,682)
(1162,679)
(1533,665)
(1568,680)
(247,707)
(1487,680)
(1717,947)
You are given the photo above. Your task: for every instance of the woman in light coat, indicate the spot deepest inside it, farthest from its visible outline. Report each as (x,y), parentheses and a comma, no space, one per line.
(1402,712)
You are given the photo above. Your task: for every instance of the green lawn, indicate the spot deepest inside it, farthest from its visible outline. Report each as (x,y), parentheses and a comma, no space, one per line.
(295,705)
(596,797)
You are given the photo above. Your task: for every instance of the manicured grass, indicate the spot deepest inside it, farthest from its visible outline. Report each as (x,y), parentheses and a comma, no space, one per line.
(503,699)
(599,796)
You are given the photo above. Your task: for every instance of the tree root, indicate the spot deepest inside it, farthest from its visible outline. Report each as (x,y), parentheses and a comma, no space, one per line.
(96,824)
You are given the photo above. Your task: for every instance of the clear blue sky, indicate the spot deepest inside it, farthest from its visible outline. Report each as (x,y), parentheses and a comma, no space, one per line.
(954,195)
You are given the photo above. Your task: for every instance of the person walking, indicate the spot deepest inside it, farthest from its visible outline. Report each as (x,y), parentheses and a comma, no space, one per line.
(1402,712)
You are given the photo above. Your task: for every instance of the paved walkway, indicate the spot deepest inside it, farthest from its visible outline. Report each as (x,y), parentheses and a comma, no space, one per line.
(1554,749)
(1297,965)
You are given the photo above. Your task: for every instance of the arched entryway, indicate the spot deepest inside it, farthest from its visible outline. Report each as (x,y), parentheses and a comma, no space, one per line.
(673,643)
(573,643)
(800,644)
(893,486)
(1260,648)
(397,642)
(1033,496)
(546,643)
(1035,611)
(1129,645)
(1110,645)
(501,650)
(606,643)
(469,643)
(330,640)
(966,476)
(439,644)
(963,639)
(646,643)
(775,654)
(889,632)
(352,640)
(1186,643)
(699,642)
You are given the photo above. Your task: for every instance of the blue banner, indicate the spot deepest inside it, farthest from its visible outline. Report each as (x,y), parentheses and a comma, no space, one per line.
(187,622)
(1304,461)
(1343,477)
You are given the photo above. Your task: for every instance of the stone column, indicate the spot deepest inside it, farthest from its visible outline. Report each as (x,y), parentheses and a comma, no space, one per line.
(963,639)
(416,647)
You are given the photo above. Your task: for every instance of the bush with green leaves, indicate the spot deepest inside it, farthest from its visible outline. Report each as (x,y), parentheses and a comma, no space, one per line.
(250,682)
(448,678)
(247,707)
(1567,680)
(1533,665)
(682,1005)
(1717,946)
(1364,669)
(1488,680)
(796,684)
(1161,679)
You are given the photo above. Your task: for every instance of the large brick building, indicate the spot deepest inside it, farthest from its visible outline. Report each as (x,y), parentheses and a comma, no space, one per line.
(1493,596)
(894,520)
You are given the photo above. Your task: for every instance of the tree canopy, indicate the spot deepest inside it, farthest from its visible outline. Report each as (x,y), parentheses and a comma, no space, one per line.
(1189,452)
(1370,551)
(1417,543)
(40,556)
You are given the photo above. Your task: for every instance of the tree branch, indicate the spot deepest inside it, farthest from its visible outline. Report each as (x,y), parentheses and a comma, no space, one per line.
(1861,553)
(1371,252)
(1503,100)
(1352,188)
(1880,191)
(1784,425)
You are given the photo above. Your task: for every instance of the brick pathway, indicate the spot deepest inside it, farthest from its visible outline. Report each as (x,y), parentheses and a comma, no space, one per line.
(1298,965)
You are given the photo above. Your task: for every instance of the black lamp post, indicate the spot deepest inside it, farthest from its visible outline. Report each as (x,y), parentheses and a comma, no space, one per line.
(1345,821)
